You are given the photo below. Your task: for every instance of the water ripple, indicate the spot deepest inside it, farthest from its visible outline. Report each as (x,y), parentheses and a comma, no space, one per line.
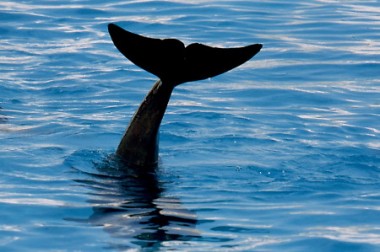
(279,154)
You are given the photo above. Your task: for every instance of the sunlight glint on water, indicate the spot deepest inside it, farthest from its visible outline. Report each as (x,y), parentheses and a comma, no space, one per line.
(281,154)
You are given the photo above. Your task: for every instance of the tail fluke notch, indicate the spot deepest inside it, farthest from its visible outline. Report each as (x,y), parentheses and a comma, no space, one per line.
(172,62)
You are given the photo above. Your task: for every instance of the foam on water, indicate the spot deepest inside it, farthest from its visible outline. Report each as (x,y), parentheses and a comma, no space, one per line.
(279,154)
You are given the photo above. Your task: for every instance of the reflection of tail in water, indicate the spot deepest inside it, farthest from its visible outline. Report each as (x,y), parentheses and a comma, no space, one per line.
(132,206)
(3,119)
(150,224)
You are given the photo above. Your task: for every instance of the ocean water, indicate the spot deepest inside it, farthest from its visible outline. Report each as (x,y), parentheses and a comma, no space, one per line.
(280,154)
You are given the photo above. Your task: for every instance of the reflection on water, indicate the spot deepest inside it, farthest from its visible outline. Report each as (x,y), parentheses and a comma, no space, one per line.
(282,154)
(130,204)
(3,119)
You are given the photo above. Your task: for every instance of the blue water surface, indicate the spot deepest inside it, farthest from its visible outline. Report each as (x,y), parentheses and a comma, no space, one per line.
(280,154)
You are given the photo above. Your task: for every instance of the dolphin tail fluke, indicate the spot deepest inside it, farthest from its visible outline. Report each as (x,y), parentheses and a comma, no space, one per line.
(174,63)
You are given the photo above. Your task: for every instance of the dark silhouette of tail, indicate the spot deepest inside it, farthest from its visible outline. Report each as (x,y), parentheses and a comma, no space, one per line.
(174,63)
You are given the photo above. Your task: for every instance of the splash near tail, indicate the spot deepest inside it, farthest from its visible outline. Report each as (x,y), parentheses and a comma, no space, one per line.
(174,63)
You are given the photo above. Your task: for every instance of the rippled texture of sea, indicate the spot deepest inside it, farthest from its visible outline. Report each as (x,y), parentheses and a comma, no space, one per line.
(280,154)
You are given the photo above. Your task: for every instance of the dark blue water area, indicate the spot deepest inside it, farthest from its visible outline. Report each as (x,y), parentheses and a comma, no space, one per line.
(280,154)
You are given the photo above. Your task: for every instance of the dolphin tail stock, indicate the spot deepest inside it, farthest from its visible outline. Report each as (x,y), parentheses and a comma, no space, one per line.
(174,63)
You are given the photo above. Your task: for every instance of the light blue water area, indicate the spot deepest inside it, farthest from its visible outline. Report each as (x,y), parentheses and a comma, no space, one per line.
(280,154)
